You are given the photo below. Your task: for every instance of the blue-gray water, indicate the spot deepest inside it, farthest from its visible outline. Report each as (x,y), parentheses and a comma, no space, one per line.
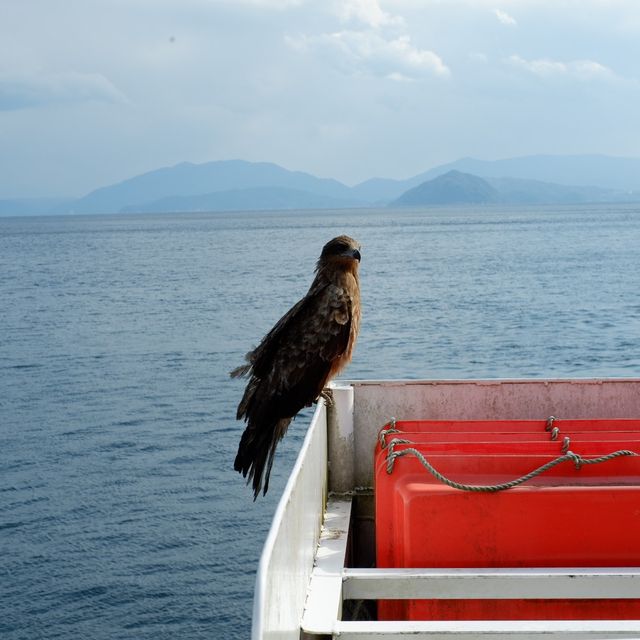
(120,515)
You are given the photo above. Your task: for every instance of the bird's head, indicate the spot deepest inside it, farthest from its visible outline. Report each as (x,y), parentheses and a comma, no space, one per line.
(341,251)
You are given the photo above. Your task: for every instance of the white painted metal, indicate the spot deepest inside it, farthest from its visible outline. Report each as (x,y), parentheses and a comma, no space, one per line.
(490,630)
(340,421)
(363,584)
(288,555)
(324,599)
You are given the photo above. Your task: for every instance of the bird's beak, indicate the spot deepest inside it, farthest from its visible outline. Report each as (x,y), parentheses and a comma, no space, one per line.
(355,254)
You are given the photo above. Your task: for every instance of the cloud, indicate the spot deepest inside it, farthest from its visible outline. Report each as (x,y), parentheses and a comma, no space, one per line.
(505,18)
(376,43)
(369,52)
(368,12)
(20,91)
(580,69)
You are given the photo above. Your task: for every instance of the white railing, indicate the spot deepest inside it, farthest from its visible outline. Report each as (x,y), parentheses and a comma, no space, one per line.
(288,555)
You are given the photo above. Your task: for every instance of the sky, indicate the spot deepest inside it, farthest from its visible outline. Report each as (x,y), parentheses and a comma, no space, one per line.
(95,91)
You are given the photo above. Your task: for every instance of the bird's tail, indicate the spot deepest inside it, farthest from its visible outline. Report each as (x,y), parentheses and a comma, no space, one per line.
(255,453)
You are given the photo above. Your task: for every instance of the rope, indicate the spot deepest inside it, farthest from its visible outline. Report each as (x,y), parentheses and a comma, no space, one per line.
(393,442)
(569,455)
(383,433)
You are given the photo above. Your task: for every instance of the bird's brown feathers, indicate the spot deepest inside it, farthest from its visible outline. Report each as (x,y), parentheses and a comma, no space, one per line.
(292,364)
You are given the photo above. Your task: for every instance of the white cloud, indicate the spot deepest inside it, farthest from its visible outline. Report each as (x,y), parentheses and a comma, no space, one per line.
(367,51)
(505,18)
(376,44)
(368,12)
(19,91)
(580,69)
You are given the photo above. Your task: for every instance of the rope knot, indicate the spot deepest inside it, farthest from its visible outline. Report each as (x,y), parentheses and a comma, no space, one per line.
(577,459)
(383,434)
(392,443)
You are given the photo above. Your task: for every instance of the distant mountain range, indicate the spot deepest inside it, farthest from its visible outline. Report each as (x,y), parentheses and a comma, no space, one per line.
(186,180)
(236,184)
(605,172)
(455,187)
(252,198)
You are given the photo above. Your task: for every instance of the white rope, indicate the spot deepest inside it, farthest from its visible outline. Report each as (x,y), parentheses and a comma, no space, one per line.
(568,456)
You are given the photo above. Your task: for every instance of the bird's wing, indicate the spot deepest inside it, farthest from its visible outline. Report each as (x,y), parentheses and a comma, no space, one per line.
(294,359)
(318,336)
(315,326)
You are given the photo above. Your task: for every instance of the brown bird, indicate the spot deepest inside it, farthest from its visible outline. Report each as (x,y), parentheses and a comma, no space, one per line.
(307,347)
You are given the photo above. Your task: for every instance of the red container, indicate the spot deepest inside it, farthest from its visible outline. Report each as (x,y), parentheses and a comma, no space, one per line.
(600,424)
(564,518)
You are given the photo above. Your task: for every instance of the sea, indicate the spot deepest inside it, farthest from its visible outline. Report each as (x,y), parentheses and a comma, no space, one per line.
(120,514)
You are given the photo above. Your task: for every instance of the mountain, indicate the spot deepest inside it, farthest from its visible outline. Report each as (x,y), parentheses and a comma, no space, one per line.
(187,179)
(383,190)
(454,187)
(519,191)
(248,185)
(605,172)
(585,170)
(255,199)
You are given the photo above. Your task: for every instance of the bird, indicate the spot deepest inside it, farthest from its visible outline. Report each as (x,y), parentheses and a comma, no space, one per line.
(293,363)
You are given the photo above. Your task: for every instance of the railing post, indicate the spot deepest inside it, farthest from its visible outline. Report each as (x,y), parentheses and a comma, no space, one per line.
(340,439)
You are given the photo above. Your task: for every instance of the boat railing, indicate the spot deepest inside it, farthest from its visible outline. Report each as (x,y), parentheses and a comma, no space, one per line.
(310,574)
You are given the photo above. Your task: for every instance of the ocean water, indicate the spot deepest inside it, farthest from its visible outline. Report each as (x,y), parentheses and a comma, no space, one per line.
(120,514)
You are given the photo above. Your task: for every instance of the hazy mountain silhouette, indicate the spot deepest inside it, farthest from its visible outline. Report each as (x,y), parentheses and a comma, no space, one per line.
(454,187)
(584,170)
(253,199)
(607,172)
(187,179)
(237,184)
(519,191)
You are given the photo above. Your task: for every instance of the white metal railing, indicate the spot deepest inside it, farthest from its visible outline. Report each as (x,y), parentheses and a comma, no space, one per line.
(287,559)
(490,630)
(497,584)
(331,583)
